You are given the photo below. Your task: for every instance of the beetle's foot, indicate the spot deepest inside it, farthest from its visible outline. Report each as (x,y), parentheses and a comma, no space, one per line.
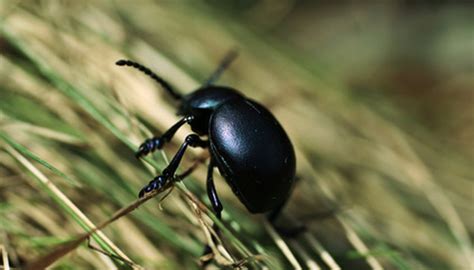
(156,183)
(290,232)
(149,146)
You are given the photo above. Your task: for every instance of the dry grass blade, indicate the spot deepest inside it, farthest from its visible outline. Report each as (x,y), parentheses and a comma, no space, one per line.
(310,263)
(324,254)
(360,246)
(5,261)
(238,244)
(282,245)
(66,202)
(53,256)
(61,251)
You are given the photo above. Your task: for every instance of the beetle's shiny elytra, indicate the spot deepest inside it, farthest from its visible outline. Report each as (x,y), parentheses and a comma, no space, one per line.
(247,144)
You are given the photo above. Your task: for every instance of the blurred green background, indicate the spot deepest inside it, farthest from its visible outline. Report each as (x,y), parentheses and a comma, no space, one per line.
(377,98)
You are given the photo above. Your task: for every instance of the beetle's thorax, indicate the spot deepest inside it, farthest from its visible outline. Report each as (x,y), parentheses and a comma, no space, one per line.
(202,103)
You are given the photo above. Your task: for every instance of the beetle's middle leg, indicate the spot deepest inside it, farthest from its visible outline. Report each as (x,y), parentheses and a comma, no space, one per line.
(155,143)
(211,191)
(191,140)
(216,205)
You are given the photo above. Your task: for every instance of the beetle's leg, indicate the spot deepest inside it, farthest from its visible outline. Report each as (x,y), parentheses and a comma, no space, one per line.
(156,143)
(284,231)
(224,64)
(157,183)
(275,213)
(191,140)
(211,191)
(215,202)
(200,160)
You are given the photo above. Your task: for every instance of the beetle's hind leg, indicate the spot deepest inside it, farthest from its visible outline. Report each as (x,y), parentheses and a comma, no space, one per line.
(216,207)
(156,143)
(290,231)
(191,140)
(295,230)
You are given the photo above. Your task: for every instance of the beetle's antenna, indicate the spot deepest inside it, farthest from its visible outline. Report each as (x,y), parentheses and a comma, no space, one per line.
(224,64)
(150,73)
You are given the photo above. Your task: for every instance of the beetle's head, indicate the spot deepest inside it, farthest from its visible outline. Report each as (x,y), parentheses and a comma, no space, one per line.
(202,103)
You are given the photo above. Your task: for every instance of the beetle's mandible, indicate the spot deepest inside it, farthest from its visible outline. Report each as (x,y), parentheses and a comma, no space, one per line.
(246,143)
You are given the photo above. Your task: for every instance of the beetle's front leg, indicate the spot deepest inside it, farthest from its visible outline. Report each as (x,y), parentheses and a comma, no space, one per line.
(157,183)
(157,143)
(191,140)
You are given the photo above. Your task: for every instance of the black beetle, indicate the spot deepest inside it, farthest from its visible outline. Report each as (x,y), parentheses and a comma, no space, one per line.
(247,144)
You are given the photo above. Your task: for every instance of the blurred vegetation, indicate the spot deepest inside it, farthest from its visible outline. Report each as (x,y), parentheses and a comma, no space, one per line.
(377,99)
